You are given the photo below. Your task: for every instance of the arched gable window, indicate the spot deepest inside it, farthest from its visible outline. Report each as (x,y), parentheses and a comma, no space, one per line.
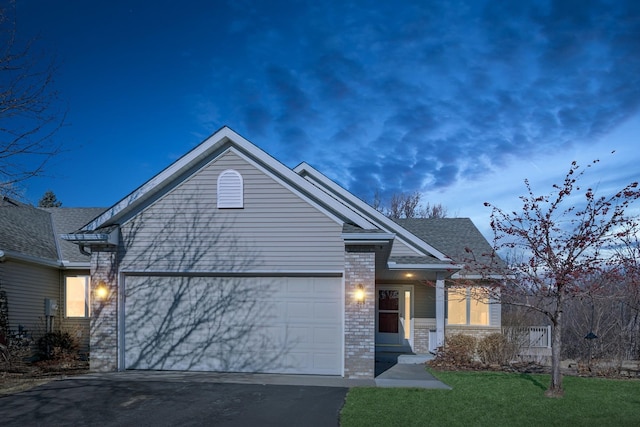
(230,190)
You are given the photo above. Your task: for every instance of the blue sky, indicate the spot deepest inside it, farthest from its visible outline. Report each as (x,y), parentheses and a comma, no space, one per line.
(460,100)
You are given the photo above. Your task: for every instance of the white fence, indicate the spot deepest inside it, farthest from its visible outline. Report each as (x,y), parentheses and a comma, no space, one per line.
(531,336)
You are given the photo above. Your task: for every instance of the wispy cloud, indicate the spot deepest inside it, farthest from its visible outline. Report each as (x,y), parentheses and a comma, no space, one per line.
(417,96)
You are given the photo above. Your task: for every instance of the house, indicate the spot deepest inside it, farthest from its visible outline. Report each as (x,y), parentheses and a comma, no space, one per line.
(45,279)
(228,260)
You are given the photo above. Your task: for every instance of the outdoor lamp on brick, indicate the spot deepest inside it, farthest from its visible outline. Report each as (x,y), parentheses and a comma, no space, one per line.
(359,295)
(101,290)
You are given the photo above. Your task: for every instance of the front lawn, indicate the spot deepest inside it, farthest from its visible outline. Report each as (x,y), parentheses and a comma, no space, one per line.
(496,399)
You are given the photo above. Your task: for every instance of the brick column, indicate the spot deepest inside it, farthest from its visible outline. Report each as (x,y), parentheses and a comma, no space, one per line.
(103,345)
(359,321)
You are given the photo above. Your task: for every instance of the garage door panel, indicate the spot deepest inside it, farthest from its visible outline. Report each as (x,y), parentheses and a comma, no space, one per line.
(234,324)
(324,361)
(325,336)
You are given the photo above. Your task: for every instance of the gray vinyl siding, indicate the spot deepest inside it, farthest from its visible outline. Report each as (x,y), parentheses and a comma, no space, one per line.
(275,231)
(495,313)
(27,286)
(400,249)
(424,302)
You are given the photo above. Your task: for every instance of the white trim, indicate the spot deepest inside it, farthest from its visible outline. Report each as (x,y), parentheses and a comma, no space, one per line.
(74,265)
(207,148)
(87,296)
(468,300)
(16,256)
(344,323)
(440,310)
(365,242)
(110,238)
(394,266)
(274,273)
(368,236)
(120,306)
(285,184)
(311,174)
(401,289)
(121,332)
(230,190)
(459,275)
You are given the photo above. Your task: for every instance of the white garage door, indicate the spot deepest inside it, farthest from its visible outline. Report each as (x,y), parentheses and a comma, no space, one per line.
(231,324)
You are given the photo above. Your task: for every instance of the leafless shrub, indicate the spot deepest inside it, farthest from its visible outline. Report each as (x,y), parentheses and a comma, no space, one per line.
(496,349)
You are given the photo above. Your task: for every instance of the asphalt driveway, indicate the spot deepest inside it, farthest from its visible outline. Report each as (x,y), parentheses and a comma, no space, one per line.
(123,401)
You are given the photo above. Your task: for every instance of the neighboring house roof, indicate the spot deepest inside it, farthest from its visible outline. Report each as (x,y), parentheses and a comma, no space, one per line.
(33,234)
(28,231)
(67,220)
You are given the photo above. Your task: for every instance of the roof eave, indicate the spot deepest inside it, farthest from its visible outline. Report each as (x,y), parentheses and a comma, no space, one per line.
(109,239)
(191,159)
(367,238)
(12,255)
(363,209)
(395,266)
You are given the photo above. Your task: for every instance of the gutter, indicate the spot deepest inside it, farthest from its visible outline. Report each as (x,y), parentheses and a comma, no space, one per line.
(4,255)
(106,238)
(394,266)
(90,239)
(367,238)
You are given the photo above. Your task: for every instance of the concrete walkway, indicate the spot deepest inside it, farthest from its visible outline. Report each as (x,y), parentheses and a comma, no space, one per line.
(399,375)
(407,371)
(409,375)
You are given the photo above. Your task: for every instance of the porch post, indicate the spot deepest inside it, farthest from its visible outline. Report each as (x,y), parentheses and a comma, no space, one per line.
(439,309)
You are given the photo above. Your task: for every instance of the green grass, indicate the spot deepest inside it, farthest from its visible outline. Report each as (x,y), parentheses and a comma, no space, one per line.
(496,399)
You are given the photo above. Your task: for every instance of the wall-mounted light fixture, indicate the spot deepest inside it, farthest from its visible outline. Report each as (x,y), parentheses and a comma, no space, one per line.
(101,291)
(359,295)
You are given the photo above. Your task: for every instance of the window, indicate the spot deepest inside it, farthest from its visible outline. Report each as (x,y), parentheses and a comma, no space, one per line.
(230,190)
(468,306)
(77,296)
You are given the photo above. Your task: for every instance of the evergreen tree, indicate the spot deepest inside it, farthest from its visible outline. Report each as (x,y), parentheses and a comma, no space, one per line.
(49,200)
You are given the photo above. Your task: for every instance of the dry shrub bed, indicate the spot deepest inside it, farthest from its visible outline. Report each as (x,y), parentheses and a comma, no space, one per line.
(496,353)
(24,376)
(493,352)
(56,357)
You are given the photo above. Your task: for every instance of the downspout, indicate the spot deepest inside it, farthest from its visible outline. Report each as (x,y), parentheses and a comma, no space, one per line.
(83,250)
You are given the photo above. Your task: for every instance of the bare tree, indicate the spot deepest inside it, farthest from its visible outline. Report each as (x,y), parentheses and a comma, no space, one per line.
(403,205)
(569,251)
(28,113)
(433,211)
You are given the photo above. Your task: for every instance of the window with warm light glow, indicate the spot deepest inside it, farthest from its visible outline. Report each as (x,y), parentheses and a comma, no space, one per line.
(468,306)
(77,296)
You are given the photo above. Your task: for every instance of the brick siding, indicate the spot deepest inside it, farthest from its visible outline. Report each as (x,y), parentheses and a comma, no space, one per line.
(103,344)
(359,316)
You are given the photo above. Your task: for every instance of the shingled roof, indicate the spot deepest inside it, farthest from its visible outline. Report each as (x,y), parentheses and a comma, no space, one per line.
(67,220)
(458,238)
(35,232)
(27,230)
